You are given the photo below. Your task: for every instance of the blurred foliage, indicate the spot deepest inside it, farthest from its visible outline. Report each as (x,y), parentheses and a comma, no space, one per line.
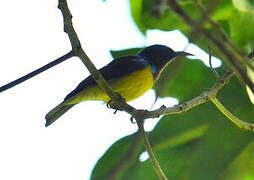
(201,143)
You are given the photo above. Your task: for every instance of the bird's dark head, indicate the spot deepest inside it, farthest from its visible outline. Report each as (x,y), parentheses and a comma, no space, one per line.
(159,56)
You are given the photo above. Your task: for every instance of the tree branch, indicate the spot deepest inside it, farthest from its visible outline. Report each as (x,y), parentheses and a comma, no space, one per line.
(241,124)
(232,58)
(210,64)
(148,147)
(78,51)
(184,107)
(36,72)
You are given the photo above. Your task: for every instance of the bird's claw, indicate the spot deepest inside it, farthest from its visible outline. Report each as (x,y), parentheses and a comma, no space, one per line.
(110,103)
(108,106)
(133,121)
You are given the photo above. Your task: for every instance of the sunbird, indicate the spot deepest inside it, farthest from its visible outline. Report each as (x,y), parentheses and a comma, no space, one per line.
(130,76)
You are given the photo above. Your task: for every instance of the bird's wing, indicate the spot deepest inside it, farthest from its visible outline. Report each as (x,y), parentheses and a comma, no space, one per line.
(118,68)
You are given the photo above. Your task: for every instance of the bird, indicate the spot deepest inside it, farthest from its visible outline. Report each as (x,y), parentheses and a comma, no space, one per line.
(130,76)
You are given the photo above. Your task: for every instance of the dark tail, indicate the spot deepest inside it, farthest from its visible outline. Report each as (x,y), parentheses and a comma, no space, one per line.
(57,112)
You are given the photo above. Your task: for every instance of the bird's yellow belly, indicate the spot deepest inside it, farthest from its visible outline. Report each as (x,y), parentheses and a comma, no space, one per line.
(129,87)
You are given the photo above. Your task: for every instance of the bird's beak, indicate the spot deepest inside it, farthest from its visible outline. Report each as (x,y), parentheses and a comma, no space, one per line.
(182,53)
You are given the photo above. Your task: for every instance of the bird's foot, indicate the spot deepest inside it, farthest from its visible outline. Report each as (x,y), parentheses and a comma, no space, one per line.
(116,106)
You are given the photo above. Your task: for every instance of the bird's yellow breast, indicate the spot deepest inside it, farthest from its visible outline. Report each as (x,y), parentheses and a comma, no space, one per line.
(129,87)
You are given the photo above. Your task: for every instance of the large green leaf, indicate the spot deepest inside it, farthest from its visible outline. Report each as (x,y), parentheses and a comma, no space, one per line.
(117,158)
(241,28)
(244,5)
(223,140)
(125,52)
(242,166)
(173,161)
(223,9)
(167,22)
(143,16)
(218,148)
(136,11)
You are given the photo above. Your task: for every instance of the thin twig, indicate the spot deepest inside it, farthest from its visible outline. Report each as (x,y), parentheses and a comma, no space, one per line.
(169,75)
(36,72)
(241,124)
(210,64)
(158,8)
(148,147)
(217,103)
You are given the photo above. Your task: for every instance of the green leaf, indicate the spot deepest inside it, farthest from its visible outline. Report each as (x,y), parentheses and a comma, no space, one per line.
(244,5)
(125,52)
(176,130)
(117,158)
(223,11)
(173,162)
(225,26)
(221,144)
(223,140)
(241,28)
(142,13)
(167,22)
(136,12)
(242,166)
